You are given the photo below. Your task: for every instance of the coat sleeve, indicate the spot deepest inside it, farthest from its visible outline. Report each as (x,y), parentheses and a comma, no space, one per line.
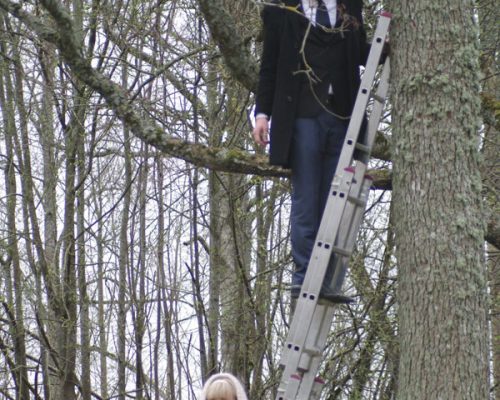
(272,20)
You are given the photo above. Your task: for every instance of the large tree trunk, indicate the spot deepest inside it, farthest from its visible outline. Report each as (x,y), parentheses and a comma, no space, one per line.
(81,104)
(489,15)
(123,262)
(437,202)
(11,266)
(101,317)
(46,54)
(230,244)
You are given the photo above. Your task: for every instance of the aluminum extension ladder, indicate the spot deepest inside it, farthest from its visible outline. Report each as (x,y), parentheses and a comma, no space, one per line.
(302,352)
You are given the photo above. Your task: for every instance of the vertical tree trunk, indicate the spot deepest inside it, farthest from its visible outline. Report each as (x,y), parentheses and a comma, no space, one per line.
(194,182)
(229,266)
(163,307)
(437,201)
(140,323)
(123,262)
(80,105)
(101,318)
(66,312)
(13,280)
(231,311)
(262,292)
(46,55)
(489,15)
(85,383)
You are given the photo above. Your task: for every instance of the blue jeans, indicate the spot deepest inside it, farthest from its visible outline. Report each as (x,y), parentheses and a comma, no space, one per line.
(316,146)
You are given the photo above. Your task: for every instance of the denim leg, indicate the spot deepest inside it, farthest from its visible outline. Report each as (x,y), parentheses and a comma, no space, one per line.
(335,130)
(317,143)
(336,135)
(306,183)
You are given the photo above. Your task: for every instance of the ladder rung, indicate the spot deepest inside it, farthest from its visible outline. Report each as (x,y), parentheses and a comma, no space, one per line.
(363,148)
(380,99)
(357,201)
(313,351)
(341,251)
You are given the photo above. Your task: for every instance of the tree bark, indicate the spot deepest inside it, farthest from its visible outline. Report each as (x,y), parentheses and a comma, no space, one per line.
(14,281)
(437,201)
(489,15)
(101,317)
(123,263)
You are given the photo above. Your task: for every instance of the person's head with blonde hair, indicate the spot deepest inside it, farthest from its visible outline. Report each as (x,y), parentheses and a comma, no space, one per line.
(223,387)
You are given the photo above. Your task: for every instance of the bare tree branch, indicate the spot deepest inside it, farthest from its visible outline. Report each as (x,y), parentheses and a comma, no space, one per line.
(236,55)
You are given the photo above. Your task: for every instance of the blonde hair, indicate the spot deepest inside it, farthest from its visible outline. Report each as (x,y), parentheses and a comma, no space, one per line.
(221,389)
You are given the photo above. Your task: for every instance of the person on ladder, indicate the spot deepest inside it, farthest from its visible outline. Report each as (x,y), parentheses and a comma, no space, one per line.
(308,81)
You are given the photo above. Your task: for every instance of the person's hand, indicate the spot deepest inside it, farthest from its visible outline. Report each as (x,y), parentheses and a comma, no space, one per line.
(261,131)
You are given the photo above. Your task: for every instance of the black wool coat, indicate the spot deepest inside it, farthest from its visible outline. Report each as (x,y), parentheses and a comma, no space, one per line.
(279,87)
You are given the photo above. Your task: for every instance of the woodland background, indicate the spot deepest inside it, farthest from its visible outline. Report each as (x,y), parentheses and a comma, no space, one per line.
(144,241)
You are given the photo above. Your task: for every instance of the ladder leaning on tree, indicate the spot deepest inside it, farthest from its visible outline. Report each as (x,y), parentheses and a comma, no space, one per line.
(302,353)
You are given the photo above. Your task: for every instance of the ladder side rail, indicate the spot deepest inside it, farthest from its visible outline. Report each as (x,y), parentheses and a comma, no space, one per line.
(310,362)
(306,303)
(314,363)
(364,92)
(308,348)
(340,241)
(350,238)
(345,224)
(288,392)
(328,230)
(311,346)
(348,225)
(310,358)
(333,238)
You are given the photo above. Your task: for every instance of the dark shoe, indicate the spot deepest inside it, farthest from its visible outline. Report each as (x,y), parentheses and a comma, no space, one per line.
(325,295)
(335,298)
